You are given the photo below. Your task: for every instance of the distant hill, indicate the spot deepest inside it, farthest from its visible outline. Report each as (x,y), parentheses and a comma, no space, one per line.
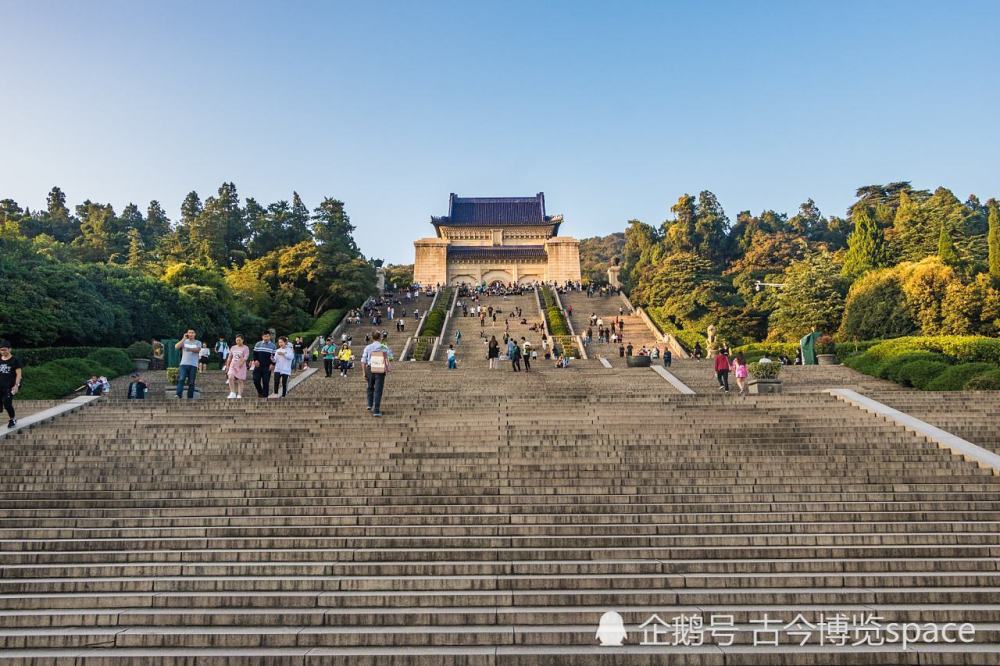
(597,253)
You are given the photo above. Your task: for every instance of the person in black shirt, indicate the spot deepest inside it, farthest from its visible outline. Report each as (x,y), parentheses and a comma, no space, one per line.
(137,388)
(299,348)
(10,381)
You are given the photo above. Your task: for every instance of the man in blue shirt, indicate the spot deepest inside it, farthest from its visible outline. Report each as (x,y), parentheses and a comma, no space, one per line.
(376,377)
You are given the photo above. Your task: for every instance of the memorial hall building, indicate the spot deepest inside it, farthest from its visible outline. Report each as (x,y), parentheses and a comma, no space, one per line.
(496,239)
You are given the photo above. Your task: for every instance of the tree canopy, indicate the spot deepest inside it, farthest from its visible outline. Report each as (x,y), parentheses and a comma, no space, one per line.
(97,276)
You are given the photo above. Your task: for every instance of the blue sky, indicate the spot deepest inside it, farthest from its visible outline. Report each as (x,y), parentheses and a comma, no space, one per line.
(612,109)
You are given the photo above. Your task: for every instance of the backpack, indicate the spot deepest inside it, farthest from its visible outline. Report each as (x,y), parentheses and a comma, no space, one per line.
(378,362)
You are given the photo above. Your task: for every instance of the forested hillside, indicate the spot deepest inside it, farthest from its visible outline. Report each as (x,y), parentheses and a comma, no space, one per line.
(903,261)
(96,276)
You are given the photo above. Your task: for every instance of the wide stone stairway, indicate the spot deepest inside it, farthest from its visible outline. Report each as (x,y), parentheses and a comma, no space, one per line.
(636,331)
(471,350)
(487,518)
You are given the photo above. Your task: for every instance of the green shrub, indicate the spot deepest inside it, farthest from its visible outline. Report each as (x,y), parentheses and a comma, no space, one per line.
(687,338)
(764,370)
(116,360)
(919,374)
(556,321)
(46,382)
(82,368)
(845,350)
(567,344)
(322,325)
(863,363)
(961,348)
(139,349)
(957,376)
(889,368)
(432,324)
(986,381)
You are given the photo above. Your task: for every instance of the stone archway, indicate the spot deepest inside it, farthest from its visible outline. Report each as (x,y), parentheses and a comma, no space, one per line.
(529,279)
(469,280)
(496,275)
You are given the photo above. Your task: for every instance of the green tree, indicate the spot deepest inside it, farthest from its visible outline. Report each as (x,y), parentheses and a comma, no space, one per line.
(811,300)
(946,248)
(157,224)
(866,247)
(993,239)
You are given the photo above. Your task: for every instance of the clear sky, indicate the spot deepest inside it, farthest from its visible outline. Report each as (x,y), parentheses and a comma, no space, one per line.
(612,109)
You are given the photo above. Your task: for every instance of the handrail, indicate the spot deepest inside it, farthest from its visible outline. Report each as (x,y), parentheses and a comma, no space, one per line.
(444,326)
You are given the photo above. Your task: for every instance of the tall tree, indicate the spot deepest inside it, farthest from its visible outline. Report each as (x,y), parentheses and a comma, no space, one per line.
(157,224)
(946,248)
(866,247)
(993,238)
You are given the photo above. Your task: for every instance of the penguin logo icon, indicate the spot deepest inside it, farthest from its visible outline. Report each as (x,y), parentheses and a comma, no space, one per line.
(611,630)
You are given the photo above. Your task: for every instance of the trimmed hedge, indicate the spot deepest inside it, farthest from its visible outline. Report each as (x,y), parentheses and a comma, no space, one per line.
(957,376)
(139,349)
(961,348)
(686,337)
(322,325)
(40,355)
(62,376)
(987,381)
(919,374)
(115,360)
(554,317)
(434,321)
(889,368)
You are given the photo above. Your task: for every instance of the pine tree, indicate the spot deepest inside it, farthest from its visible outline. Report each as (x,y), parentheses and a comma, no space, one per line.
(946,248)
(136,249)
(993,239)
(866,247)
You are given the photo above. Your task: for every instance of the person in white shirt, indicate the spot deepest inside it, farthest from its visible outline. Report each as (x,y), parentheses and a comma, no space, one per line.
(284,355)
(190,353)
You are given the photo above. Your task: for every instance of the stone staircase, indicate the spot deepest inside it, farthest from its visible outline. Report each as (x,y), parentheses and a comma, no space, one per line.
(606,307)
(971,415)
(700,377)
(488,518)
(471,351)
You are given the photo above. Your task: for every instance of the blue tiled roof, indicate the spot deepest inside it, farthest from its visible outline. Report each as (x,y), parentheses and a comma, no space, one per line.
(487,211)
(498,253)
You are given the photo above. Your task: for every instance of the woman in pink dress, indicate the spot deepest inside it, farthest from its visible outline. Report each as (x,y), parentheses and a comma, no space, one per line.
(741,371)
(236,367)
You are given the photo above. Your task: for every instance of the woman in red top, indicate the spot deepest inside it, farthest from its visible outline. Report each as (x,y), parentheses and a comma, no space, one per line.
(722,369)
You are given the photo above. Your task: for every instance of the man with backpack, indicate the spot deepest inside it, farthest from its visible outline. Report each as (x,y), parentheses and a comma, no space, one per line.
(375,362)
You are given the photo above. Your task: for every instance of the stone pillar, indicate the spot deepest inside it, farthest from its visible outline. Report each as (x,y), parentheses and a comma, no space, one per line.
(563,262)
(430,264)
(380,279)
(613,273)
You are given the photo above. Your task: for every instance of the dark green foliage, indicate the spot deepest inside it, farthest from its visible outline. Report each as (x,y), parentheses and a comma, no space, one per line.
(323,325)
(554,317)
(40,355)
(875,308)
(432,324)
(434,321)
(993,239)
(597,254)
(957,376)
(139,349)
(116,360)
(866,247)
(889,368)
(98,277)
(987,381)
(919,374)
